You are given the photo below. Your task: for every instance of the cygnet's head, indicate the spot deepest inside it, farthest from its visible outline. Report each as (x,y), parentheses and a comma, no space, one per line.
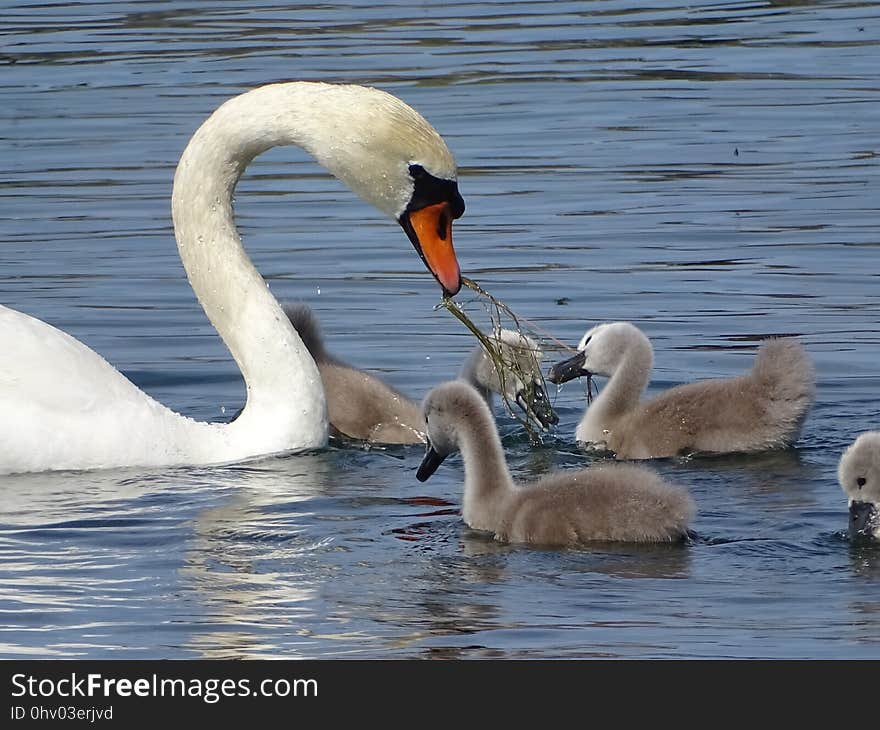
(446,408)
(520,380)
(859,475)
(600,352)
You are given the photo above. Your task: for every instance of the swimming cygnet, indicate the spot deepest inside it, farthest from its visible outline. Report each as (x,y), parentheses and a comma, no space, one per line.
(361,406)
(763,409)
(617,502)
(859,475)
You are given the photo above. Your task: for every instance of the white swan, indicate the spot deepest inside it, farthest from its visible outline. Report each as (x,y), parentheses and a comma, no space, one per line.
(619,502)
(859,476)
(362,406)
(65,407)
(763,409)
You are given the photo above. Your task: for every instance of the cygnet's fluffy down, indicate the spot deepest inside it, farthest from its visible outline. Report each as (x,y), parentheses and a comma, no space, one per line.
(762,409)
(363,407)
(616,502)
(859,475)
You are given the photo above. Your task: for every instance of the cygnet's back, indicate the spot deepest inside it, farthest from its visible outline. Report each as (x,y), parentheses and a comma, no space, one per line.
(762,409)
(359,405)
(619,502)
(616,502)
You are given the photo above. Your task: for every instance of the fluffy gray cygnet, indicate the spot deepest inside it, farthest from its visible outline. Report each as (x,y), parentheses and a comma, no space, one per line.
(616,502)
(859,476)
(762,409)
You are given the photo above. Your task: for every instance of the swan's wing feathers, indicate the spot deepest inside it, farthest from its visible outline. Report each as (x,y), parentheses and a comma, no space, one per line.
(46,370)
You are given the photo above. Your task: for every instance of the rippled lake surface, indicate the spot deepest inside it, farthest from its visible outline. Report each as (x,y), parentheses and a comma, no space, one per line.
(708,171)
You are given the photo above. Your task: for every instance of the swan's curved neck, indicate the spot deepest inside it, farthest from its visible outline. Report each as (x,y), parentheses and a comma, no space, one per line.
(283,383)
(486,475)
(629,380)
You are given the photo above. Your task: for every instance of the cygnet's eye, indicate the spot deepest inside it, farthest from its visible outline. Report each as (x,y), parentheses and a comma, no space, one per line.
(586,342)
(861,481)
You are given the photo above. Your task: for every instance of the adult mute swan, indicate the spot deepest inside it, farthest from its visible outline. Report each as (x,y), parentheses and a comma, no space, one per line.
(762,409)
(618,502)
(859,476)
(64,407)
(362,406)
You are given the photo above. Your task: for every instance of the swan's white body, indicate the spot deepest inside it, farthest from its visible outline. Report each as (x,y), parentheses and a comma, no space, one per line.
(62,406)
(65,407)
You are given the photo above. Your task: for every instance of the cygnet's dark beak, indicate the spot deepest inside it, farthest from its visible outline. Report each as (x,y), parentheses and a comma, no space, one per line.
(567,370)
(863,519)
(429,464)
(539,405)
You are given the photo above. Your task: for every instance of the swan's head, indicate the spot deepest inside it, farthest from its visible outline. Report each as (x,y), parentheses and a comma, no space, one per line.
(520,380)
(859,476)
(388,154)
(600,352)
(447,408)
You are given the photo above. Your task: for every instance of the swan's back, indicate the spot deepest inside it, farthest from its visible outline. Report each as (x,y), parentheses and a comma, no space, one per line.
(763,409)
(617,502)
(72,422)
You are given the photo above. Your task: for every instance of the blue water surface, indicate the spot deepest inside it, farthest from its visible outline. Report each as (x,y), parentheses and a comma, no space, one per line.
(708,171)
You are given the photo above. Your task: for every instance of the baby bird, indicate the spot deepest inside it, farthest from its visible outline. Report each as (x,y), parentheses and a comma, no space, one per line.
(618,502)
(859,476)
(763,409)
(361,406)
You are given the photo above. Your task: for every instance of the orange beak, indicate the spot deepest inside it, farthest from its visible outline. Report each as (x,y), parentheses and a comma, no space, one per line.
(430,230)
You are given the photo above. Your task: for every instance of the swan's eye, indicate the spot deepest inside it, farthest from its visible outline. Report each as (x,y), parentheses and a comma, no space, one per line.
(861,481)
(586,342)
(430,190)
